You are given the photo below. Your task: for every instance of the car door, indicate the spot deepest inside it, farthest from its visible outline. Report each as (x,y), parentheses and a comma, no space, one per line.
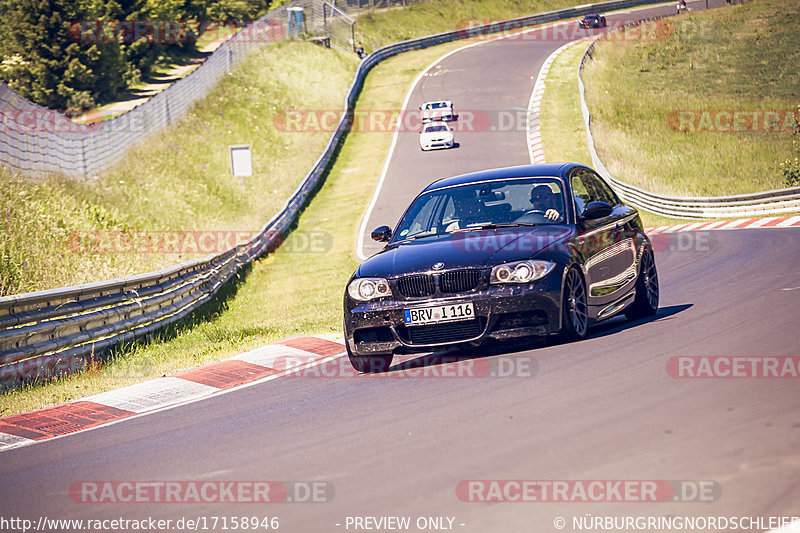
(608,248)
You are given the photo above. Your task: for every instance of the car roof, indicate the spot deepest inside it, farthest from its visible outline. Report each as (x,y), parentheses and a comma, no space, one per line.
(558,170)
(445,102)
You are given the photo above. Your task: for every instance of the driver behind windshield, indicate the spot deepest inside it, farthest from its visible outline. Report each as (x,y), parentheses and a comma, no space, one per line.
(545,200)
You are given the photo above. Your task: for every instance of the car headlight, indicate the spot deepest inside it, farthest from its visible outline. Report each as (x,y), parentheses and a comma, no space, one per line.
(520,271)
(365,289)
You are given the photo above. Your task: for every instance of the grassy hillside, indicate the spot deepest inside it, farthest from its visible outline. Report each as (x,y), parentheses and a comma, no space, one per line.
(179,180)
(176,181)
(732,59)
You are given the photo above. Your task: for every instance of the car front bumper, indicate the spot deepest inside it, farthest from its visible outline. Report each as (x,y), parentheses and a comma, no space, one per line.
(432,145)
(501,312)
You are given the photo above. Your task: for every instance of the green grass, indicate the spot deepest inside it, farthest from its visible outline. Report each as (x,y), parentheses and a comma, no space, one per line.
(379,27)
(561,122)
(180,179)
(291,292)
(176,180)
(733,58)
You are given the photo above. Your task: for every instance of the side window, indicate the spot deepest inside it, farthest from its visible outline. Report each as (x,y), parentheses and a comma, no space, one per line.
(604,191)
(588,187)
(580,193)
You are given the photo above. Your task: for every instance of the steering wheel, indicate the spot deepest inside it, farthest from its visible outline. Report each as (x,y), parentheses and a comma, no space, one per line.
(537,216)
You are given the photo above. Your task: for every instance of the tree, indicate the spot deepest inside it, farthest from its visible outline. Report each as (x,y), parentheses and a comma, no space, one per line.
(59,54)
(44,62)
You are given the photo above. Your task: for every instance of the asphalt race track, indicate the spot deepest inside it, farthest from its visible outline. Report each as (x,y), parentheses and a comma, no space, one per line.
(493,82)
(605,408)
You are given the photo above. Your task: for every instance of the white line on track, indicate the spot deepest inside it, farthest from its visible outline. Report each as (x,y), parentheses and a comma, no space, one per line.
(533,130)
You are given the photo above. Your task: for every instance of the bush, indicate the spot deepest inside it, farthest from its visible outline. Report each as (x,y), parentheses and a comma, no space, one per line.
(45,57)
(791,167)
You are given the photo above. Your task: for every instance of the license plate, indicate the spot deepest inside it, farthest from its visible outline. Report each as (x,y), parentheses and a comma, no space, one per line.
(439,313)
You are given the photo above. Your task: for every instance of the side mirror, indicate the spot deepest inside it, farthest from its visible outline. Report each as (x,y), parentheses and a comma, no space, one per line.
(595,210)
(382,234)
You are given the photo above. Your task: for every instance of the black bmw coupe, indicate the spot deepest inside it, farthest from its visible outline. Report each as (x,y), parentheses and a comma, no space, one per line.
(592,21)
(511,252)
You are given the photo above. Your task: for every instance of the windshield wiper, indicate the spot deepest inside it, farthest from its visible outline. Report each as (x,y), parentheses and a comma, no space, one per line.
(494,226)
(420,236)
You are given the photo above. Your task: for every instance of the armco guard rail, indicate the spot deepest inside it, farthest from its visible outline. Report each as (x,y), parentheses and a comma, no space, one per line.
(53,332)
(736,206)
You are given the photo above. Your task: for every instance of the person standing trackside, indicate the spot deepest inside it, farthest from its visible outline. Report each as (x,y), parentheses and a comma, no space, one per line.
(360,51)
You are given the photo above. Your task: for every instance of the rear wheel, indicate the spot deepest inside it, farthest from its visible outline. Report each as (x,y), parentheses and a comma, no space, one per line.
(369,364)
(575,310)
(646,301)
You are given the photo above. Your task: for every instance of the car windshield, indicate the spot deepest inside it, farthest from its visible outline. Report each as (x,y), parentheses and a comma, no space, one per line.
(436,127)
(486,205)
(436,105)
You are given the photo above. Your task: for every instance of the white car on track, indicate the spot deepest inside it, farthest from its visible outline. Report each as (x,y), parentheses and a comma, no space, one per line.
(435,111)
(436,135)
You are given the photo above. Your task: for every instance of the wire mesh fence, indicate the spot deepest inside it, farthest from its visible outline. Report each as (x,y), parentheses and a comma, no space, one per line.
(340,27)
(34,139)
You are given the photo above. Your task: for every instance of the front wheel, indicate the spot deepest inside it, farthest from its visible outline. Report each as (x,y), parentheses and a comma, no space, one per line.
(645,303)
(369,364)
(575,310)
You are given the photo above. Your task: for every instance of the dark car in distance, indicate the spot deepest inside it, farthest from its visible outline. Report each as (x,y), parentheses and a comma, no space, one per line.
(593,20)
(532,250)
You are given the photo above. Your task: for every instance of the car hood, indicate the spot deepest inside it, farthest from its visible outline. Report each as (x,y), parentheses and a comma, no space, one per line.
(472,249)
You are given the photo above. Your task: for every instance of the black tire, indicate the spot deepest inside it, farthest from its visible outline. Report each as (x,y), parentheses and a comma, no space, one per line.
(369,364)
(645,303)
(574,307)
